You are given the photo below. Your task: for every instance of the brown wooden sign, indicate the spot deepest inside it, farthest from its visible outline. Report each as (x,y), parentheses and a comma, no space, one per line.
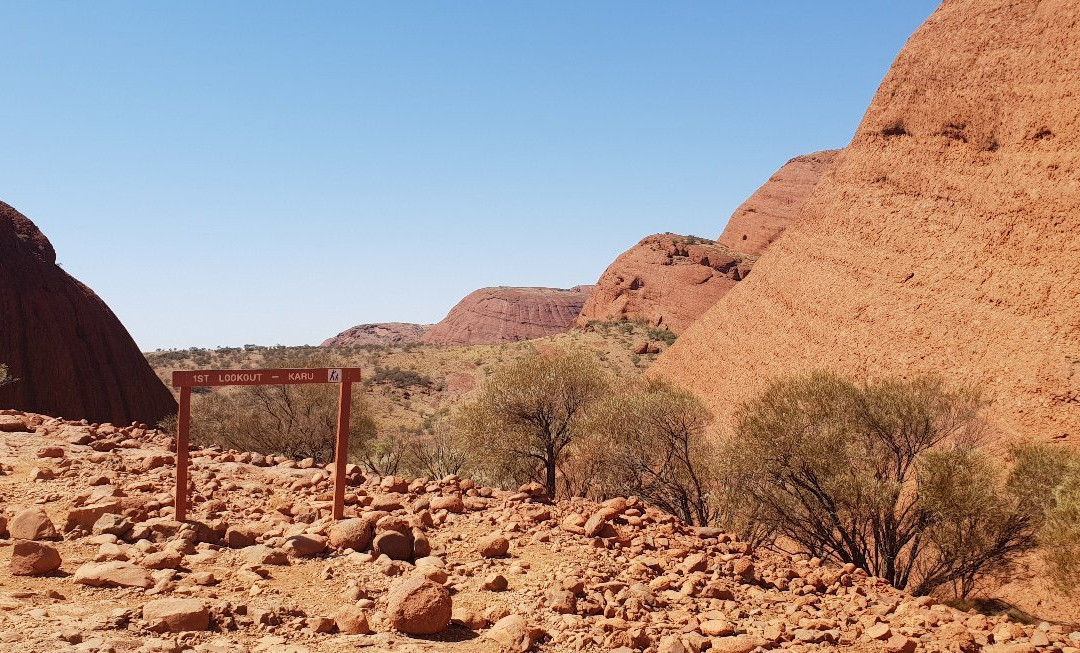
(188,379)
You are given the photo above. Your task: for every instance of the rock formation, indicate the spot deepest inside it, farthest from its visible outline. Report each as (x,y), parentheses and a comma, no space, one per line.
(383,333)
(70,354)
(503,314)
(763,217)
(946,238)
(667,280)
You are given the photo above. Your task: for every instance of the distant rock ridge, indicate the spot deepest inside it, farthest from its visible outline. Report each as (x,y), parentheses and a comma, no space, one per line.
(666,280)
(380,333)
(945,239)
(508,314)
(69,352)
(764,215)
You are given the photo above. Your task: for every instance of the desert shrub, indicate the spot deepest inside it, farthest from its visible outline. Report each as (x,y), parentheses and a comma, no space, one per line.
(436,454)
(384,454)
(5,376)
(525,414)
(664,335)
(651,442)
(401,379)
(1060,536)
(887,475)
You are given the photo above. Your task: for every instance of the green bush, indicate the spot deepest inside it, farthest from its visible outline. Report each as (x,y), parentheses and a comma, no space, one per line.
(401,379)
(651,442)
(298,421)
(524,416)
(1060,536)
(887,475)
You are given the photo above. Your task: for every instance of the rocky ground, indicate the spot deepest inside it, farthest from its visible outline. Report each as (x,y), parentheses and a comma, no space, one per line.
(94,562)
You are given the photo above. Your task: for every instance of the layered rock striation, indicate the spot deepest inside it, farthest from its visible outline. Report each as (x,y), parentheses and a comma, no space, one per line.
(764,215)
(67,350)
(493,315)
(946,238)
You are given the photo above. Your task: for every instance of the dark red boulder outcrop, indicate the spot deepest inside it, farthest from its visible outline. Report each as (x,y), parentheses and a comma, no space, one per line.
(69,352)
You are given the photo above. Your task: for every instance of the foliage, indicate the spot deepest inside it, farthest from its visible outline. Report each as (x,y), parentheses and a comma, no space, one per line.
(524,416)
(887,475)
(5,376)
(400,378)
(1060,536)
(651,443)
(436,455)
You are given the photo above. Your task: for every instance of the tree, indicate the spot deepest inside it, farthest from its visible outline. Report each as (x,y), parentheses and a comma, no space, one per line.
(1060,535)
(887,475)
(526,414)
(5,376)
(650,442)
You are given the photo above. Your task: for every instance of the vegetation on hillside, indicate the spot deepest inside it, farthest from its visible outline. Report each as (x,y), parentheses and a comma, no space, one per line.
(525,416)
(890,476)
(5,377)
(651,442)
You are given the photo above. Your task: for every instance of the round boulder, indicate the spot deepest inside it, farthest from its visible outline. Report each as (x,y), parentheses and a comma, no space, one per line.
(352,620)
(352,534)
(394,545)
(417,606)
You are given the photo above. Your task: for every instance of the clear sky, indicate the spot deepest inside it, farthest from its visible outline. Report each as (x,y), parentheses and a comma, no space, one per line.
(224,173)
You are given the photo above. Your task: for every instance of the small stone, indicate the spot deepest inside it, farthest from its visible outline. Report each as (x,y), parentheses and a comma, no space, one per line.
(305,546)
(493,546)
(394,545)
(176,615)
(878,631)
(352,534)
(513,633)
(452,503)
(112,524)
(352,620)
(496,583)
(900,644)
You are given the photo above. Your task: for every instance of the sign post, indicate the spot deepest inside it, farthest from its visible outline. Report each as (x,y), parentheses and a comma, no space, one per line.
(188,379)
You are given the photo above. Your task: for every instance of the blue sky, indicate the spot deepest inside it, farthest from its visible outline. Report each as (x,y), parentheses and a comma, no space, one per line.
(224,173)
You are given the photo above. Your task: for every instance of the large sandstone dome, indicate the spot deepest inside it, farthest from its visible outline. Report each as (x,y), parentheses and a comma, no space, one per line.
(946,238)
(669,280)
(380,333)
(764,215)
(666,280)
(70,354)
(493,315)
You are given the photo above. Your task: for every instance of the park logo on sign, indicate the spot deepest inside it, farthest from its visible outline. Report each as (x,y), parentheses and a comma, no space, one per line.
(334,376)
